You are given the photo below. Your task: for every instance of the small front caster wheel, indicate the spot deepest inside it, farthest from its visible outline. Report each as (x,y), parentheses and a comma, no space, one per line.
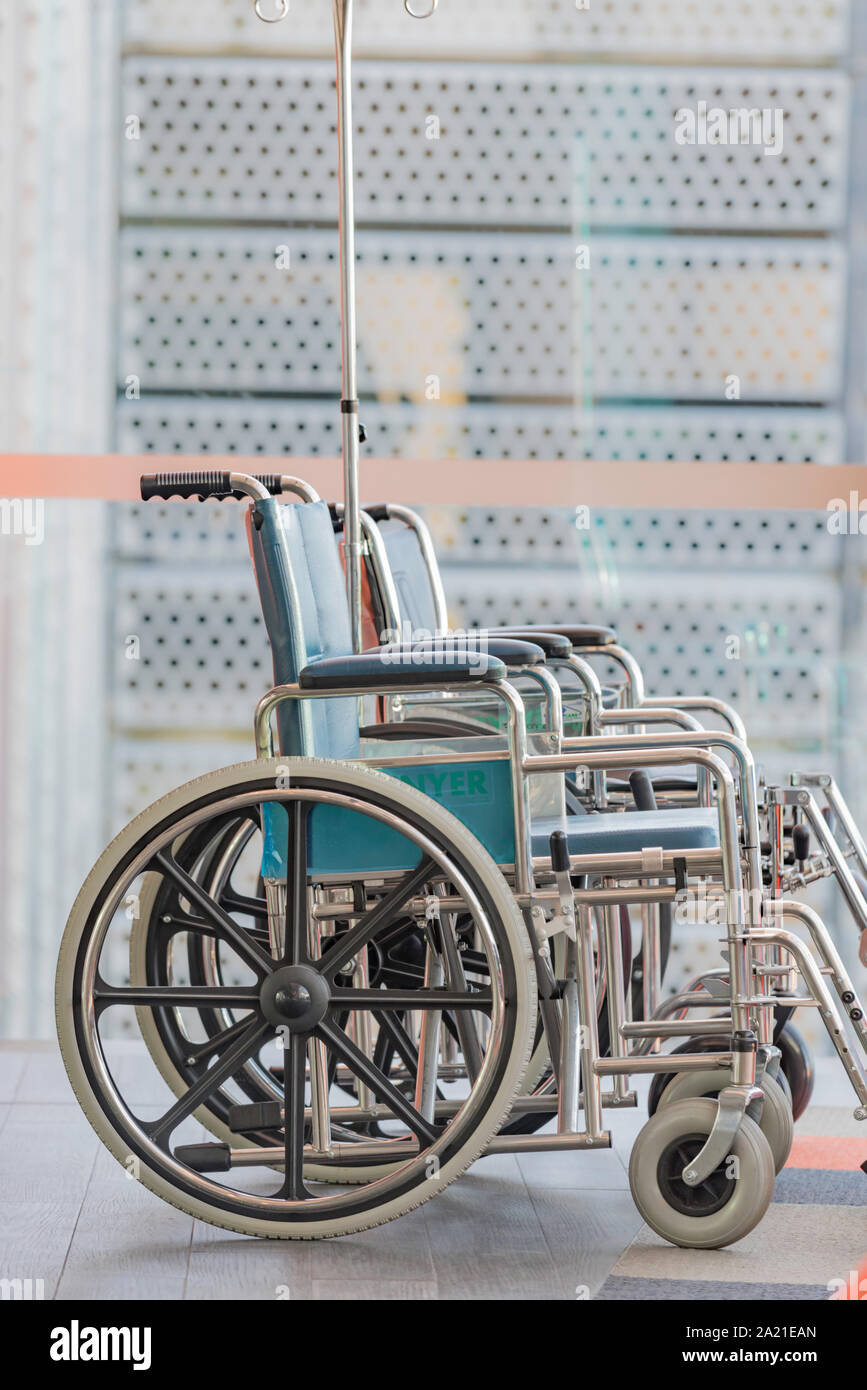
(722,1209)
(776,1118)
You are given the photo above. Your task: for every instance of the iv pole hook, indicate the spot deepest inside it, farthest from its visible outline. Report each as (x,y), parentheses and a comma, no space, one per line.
(420,14)
(272,18)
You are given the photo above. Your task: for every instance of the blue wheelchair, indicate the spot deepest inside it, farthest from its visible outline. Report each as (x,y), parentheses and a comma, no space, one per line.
(413,920)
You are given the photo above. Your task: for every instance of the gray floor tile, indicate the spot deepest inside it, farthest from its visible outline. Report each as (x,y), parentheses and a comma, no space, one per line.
(375,1290)
(13,1060)
(484,1216)
(468,1276)
(44,1079)
(34,1238)
(586,1234)
(47,1153)
(597,1169)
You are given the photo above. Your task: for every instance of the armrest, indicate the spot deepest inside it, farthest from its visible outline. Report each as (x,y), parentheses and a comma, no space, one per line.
(393,667)
(553,644)
(577,634)
(427,728)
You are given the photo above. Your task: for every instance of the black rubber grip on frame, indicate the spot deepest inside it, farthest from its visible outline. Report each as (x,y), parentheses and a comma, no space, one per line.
(560,861)
(204,485)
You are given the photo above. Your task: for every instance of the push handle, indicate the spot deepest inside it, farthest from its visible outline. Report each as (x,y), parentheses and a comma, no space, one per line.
(202,485)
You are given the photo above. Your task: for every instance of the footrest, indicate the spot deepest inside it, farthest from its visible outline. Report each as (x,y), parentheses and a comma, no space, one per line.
(205,1158)
(246,1119)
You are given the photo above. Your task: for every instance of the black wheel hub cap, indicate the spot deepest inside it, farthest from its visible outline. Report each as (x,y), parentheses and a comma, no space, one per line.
(295,997)
(705,1200)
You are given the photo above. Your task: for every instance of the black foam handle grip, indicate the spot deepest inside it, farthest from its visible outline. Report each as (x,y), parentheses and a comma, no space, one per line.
(203,485)
(642,790)
(560,861)
(801,842)
(377,511)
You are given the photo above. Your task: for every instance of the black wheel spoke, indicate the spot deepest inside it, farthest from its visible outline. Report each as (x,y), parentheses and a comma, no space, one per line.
(297,948)
(393,1030)
(294,1075)
(237,902)
(240,1052)
(170,925)
(176,996)
(366,928)
(202,1052)
(384,1090)
(404,999)
(226,928)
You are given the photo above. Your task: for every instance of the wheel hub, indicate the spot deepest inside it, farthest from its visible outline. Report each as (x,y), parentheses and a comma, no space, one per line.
(709,1196)
(295,997)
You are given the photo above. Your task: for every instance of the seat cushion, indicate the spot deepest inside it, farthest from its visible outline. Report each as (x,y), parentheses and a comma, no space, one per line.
(620,833)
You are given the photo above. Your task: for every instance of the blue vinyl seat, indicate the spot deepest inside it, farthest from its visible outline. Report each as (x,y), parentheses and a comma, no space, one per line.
(632,832)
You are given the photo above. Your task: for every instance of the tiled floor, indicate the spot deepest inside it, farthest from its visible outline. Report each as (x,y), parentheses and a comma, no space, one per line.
(553,1226)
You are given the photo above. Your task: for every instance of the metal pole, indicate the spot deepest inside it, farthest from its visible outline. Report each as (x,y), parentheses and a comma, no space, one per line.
(353,546)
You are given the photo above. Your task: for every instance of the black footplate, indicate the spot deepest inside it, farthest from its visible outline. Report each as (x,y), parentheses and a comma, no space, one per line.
(205,1158)
(246,1119)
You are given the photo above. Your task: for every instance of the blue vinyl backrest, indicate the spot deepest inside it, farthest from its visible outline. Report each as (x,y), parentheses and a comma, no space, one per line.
(411,578)
(301,587)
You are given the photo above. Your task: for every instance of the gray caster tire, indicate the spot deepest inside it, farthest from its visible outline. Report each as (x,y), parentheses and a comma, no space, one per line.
(720,1211)
(776,1121)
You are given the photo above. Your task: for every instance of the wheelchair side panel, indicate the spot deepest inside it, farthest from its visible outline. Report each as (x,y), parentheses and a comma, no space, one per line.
(345,842)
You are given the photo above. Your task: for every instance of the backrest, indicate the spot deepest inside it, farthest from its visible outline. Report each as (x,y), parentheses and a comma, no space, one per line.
(411,575)
(303,596)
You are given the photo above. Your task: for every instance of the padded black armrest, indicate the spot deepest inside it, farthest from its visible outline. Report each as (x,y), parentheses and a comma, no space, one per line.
(553,644)
(506,649)
(427,728)
(406,668)
(578,634)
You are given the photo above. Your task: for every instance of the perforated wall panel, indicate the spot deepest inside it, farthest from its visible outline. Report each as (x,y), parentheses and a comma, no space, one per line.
(740,433)
(612,540)
(491,144)
(144,769)
(189,648)
(803,30)
(788,633)
(666,317)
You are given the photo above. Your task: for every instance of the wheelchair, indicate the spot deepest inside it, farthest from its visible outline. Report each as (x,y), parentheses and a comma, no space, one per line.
(397,938)
(364,960)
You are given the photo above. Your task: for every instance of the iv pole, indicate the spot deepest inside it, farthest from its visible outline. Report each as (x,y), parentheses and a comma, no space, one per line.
(353,544)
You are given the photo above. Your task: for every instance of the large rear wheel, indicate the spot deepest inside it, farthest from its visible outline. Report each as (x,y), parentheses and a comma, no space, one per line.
(294,977)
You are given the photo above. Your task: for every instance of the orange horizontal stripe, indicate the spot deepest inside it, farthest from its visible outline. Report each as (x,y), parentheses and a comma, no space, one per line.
(474,482)
(824,1151)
